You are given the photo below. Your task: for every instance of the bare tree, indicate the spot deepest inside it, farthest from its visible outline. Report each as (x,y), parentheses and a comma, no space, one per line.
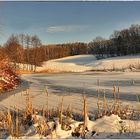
(14,50)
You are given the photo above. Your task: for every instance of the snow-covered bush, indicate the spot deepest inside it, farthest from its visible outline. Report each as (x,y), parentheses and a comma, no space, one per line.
(8,77)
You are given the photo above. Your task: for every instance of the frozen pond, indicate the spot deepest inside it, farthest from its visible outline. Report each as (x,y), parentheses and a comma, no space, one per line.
(71,86)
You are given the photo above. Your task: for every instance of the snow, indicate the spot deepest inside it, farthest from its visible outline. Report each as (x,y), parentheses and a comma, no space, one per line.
(116,63)
(113,126)
(81,63)
(105,127)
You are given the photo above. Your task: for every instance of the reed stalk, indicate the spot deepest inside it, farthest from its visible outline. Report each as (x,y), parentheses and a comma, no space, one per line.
(47,96)
(104,103)
(85,115)
(98,104)
(61,112)
(118,97)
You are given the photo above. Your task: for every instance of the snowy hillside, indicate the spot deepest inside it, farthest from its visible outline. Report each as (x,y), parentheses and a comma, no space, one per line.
(76,63)
(81,63)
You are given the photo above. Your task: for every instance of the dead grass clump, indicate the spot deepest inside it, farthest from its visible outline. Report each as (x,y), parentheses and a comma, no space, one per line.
(43,129)
(28,112)
(24,72)
(82,128)
(116,108)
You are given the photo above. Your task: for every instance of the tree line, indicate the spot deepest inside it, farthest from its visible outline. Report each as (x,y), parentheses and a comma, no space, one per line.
(123,42)
(27,49)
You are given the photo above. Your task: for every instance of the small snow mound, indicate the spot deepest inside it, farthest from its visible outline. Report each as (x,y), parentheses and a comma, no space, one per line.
(107,124)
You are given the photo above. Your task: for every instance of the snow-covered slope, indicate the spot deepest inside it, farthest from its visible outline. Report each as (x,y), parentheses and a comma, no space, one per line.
(80,63)
(76,63)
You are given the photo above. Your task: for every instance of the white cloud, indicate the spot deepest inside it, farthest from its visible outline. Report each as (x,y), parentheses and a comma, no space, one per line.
(126,24)
(66,28)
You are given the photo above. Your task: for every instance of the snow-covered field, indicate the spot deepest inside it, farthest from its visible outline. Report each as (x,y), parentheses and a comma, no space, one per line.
(82,63)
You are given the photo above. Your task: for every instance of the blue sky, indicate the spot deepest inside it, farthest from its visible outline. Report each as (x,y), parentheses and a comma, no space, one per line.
(59,22)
